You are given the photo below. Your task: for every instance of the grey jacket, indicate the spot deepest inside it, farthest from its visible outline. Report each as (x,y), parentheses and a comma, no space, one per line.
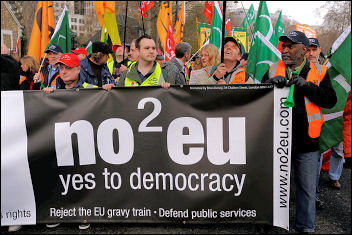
(175,72)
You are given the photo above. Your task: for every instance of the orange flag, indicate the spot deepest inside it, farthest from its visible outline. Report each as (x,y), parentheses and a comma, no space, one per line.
(42,30)
(180,24)
(164,18)
(103,6)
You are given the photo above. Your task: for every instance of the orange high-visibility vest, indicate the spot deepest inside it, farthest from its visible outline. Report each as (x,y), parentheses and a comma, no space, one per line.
(240,77)
(315,75)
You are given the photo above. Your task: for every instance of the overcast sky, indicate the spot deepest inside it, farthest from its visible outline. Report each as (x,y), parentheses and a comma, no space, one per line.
(302,11)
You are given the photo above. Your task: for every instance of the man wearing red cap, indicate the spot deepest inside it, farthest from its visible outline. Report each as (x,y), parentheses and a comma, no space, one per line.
(81,52)
(69,69)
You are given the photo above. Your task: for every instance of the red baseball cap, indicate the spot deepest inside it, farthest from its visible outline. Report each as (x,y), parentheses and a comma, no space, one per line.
(80,50)
(70,59)
(115,46)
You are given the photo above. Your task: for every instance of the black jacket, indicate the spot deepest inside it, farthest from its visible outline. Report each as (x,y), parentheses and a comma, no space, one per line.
(10,73)
(45,72)
(28,83)
(323,95)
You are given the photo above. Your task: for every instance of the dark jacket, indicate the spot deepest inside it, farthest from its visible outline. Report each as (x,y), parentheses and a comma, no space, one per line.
(87,74)
(175,72)
(45,73)
(28,83)
(323,96)
(61,85)
(10,73)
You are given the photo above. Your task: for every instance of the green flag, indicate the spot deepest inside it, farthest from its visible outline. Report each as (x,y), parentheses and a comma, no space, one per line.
(279,29)
(89,47)
(339,69)
(62,36)
(249,18)
(263,51)
(216,26)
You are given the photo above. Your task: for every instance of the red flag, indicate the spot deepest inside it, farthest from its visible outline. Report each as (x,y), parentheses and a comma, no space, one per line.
(208,10)
(17,44)
(279,47)
(228,27)
(145,6)
(170,43)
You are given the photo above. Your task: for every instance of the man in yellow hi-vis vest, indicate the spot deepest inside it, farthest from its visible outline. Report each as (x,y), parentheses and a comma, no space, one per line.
(313,91)
(146,71)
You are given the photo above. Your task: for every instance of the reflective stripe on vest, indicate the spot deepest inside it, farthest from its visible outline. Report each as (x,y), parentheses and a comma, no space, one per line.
(87,85)
(315,75)
(22,79)
(111,66)
(155,79)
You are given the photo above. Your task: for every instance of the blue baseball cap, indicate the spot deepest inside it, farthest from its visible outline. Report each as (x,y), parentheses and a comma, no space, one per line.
(54,48)
(314,42)
(295,37)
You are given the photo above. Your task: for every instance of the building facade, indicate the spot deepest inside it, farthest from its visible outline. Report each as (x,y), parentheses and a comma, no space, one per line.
(11,29)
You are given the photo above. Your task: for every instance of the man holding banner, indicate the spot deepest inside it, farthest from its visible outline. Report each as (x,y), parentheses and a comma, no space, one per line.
(230,70)
(313,92)
(146,71)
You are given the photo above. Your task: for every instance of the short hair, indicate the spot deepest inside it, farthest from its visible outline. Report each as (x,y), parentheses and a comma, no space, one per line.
(213,51)
(31,63)
(140,39)
(182,48)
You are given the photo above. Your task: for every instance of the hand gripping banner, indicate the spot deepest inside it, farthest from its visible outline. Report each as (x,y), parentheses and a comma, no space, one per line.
(196,154)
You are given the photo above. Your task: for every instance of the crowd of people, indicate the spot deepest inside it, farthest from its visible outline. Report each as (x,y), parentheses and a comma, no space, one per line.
(140,65)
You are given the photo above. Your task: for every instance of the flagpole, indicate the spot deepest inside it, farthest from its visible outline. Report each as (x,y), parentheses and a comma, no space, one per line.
(223,31)
(40,67)
(176,13)
(124,34)
(197,52)
(142,18)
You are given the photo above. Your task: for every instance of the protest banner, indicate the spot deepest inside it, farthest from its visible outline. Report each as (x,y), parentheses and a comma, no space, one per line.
(196,154)
(308,31)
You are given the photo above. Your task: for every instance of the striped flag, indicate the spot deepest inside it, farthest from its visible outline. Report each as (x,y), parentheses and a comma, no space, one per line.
(339,69)
(228,28)
(42,30)
(164,18)
(216,33)
(180,23)
(208,10)
(62,36)
(89,47)
(17,44)
(263,52)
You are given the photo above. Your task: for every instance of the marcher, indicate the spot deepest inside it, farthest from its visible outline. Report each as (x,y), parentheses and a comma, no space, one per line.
(119,65)
(230,71)
(10,70)
(209,56)
(313,91)
(313,51)
(160,59)
(93,68)
(244,60)
(29,67)
(133,54)
(81,52)
(176,68)
(312,54)
(146,71)
(50,72)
